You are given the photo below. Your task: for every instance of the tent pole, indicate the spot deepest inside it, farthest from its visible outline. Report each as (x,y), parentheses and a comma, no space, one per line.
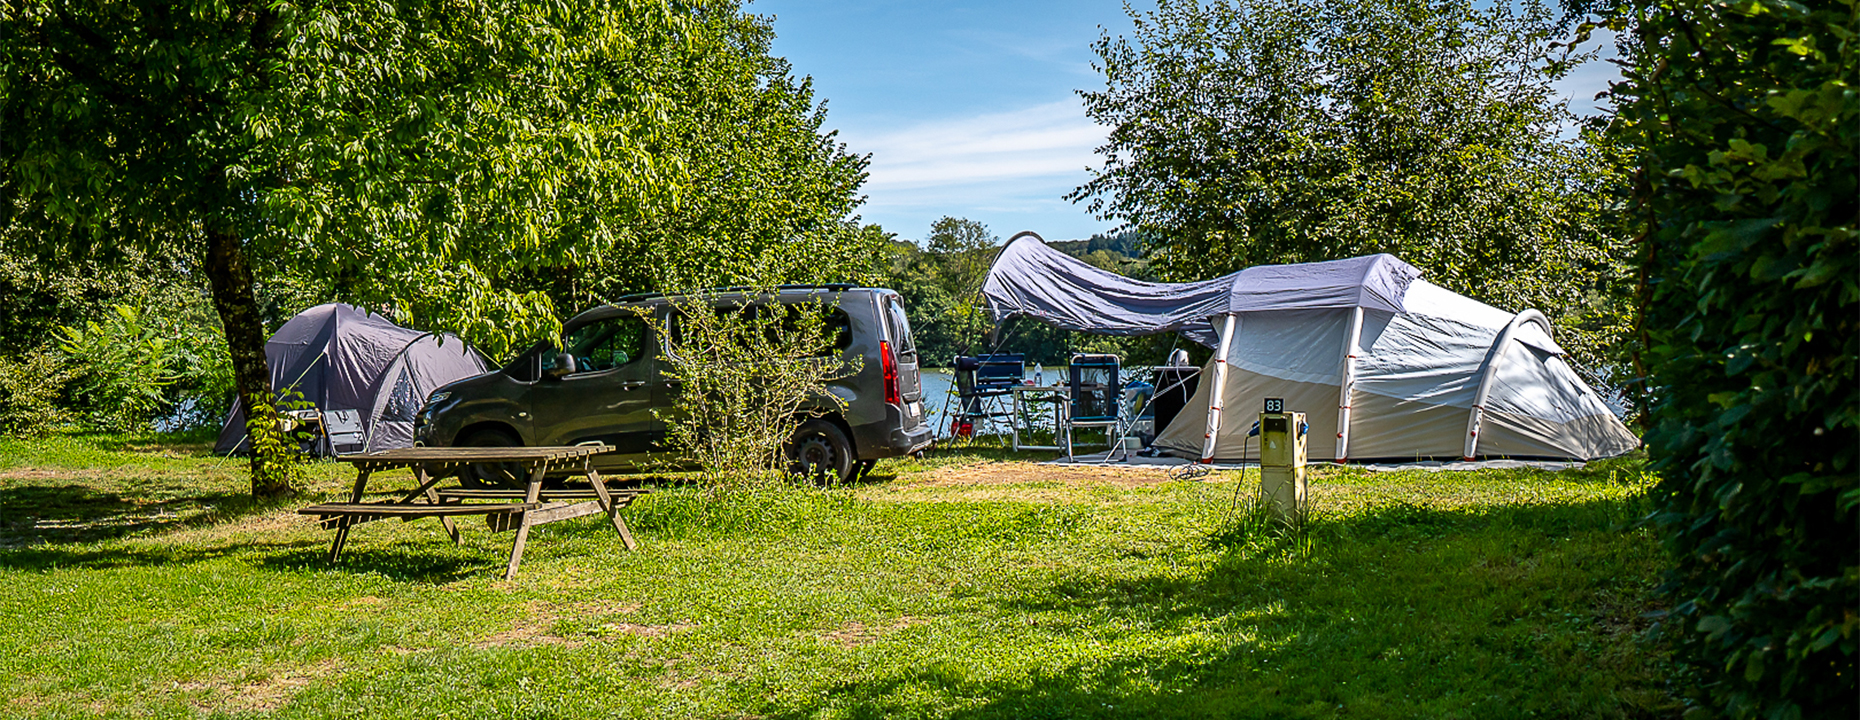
(1216,393)
(1493,357)
(1348,384)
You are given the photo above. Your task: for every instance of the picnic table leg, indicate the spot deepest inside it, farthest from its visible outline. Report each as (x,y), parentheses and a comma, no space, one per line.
(523,527)
(419,475)
(607,504)
(342,527)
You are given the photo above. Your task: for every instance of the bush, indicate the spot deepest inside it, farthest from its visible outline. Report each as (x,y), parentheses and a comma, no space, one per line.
(32,388)
(747,378)
(1747,117)
(123,369)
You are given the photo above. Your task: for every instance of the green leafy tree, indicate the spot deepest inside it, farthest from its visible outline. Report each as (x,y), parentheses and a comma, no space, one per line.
(1247,133)
(772,195)
(1746,116)
(406,153)
(941,283)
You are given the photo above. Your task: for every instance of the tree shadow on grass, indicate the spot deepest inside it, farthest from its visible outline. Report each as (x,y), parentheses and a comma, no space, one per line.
(72,513)
(435,563)
(53,556)
(1508,611)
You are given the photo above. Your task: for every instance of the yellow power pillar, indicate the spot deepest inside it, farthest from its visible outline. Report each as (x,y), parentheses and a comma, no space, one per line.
(1282,460)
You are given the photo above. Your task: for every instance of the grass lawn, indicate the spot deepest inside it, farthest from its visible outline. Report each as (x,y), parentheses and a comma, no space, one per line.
(137,581)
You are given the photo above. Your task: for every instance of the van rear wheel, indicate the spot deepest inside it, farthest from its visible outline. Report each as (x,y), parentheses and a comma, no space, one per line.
(820,453)
(492,476)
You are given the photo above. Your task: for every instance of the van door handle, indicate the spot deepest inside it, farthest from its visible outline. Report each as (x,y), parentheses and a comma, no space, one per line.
(632,384)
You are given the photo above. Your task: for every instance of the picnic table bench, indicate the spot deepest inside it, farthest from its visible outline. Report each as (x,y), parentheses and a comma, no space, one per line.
(502,509)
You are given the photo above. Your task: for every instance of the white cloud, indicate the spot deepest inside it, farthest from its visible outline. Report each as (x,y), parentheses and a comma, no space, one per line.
(1043,141)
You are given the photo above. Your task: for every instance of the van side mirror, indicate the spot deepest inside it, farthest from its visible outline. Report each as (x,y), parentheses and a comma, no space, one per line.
(564,365)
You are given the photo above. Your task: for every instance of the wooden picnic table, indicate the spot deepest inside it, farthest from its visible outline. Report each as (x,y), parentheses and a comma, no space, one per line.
(502,509)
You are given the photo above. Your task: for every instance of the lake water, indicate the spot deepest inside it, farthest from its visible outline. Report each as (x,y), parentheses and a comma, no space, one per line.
(939,395)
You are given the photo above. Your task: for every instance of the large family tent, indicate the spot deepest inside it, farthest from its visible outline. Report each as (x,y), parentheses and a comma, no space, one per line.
(358,366)
(1385,365)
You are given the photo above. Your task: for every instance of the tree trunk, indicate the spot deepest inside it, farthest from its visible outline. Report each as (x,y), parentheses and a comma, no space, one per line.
(230,277)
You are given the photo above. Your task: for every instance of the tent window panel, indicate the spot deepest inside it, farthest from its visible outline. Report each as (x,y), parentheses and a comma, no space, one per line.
(1299,345)
(403,402)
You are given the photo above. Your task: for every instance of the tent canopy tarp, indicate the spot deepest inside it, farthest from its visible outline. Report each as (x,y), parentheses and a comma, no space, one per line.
(1030,278)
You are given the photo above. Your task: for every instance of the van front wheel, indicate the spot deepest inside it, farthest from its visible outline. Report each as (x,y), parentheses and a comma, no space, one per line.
(492,476)
(821,453)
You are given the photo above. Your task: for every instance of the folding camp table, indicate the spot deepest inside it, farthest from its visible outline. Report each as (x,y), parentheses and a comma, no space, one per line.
(1054,395)
(504,510)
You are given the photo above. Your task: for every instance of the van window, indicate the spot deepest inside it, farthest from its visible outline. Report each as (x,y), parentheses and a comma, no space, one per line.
(837,327)
(603,344)
(524,368)
(837,324)
(900,326)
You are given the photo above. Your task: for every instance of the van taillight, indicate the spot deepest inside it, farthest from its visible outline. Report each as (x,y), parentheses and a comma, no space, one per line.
(890,363)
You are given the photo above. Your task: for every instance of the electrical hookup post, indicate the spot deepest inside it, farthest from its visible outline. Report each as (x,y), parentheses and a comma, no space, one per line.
(1282,461)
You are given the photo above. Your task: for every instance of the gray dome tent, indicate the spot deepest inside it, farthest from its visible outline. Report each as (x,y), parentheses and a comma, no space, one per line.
(1385,365)
(363,366)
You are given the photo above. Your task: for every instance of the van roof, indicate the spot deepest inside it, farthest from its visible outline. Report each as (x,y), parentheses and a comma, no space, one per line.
(650,299)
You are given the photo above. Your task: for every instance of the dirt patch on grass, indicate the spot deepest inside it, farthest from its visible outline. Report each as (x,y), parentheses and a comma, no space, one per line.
(1018,481)
(1026,473)
(537,625)
(263,695)
(29,473)
(855,634)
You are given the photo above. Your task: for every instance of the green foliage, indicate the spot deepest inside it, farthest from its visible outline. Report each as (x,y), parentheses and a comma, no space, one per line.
(747,377)
(769,195)
(202,392)
(772,193)
(1747,116)
(276,441)
(1247,133)
(32,392)
(42,291)
(122,365)
(941,286)
(405,152)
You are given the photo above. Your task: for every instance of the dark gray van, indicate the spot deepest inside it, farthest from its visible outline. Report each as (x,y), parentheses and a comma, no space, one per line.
(615,380)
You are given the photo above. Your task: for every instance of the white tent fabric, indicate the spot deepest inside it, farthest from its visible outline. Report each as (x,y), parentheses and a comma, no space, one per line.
(1397,369)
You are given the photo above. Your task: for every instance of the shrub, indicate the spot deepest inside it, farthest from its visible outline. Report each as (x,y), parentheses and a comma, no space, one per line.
(1746,116)
(748,377)
(32,387)
(123,369)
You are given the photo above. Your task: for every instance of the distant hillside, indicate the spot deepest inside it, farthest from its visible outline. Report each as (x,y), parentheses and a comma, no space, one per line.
(1124,243)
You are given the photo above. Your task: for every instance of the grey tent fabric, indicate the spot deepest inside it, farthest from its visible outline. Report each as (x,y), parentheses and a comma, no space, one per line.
(343,358)
(1029,278)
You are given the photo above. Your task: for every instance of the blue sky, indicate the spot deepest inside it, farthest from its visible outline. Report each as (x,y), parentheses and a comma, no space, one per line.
(970,108)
